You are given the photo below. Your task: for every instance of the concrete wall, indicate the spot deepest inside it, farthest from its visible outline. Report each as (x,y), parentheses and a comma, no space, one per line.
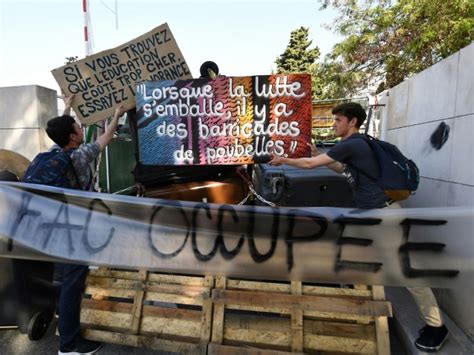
(414,109)
(24,111)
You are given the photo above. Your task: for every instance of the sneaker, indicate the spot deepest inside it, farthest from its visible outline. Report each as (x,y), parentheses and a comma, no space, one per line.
(81,347)
(422,330)
(431,338)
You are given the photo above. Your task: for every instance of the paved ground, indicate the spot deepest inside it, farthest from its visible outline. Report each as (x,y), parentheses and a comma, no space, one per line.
(407,321)
(12,342)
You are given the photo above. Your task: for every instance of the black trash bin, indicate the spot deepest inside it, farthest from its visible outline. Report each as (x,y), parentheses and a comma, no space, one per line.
(27,296)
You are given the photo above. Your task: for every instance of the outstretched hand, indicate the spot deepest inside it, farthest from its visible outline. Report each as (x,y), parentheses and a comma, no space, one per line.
(67,104)
(276,160)
(314,150)
(119,111)
(68,100)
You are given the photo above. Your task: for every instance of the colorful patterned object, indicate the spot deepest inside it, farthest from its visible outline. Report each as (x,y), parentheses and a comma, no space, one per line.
(228,120)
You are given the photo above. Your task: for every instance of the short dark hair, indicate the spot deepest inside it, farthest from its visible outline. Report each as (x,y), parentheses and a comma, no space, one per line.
(351,110)
(59,129)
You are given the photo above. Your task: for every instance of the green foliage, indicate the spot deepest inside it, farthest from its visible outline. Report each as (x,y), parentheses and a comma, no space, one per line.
(297,57)
(387,41)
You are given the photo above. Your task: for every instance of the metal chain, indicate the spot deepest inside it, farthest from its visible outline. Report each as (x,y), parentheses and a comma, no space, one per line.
(269,203)
(253,191)
(245,198)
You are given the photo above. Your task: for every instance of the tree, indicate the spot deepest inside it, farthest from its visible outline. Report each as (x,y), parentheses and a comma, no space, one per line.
(332,80)
(387,41)
(297,57)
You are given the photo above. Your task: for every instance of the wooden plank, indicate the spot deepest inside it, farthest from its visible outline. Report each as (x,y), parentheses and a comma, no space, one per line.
(257,285)
(104,305)
(263,339)
(181,327)
(105,282)
(335,291)
(259,323)
(296,319)
(209,281)
(106,319)
(138,306)
(183,290)
(109,292)
(346,330)
(307,313)
(206,316)
(381,325)
(117,274)
(177,279)
(338,344)
(218,315)
(173,298)
(142,341)
(166,312)
(320,303)
(206,320)
(339,316)
(264,309)
(218,349)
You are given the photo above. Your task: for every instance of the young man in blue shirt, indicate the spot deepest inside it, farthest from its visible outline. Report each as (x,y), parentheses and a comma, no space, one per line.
(347,157)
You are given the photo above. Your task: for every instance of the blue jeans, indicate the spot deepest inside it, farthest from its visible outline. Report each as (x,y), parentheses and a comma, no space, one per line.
(72,287)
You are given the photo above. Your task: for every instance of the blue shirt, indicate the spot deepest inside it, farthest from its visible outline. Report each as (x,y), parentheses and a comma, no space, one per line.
(356,154)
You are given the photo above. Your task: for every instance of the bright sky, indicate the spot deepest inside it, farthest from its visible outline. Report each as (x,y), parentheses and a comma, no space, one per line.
(243,37)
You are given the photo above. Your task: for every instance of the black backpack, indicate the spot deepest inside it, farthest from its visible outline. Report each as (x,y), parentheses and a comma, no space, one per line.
(398,176)
(53,168)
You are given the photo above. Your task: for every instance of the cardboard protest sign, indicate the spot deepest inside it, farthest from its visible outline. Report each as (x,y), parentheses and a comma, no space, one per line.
(107,79)
(228,120)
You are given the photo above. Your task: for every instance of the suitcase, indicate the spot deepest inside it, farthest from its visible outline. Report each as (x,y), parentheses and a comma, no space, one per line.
(294,187)
(27,296)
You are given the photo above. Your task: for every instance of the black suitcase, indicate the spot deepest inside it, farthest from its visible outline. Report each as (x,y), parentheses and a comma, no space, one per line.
(294,187)
(27,296)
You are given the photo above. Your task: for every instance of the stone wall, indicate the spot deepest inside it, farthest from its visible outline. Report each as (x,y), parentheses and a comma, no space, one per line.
(24,111)
(443,93)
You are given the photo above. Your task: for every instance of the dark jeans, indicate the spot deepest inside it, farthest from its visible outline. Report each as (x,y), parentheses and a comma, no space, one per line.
(72,287)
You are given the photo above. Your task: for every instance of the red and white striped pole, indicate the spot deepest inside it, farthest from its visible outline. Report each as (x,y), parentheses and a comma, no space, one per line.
(85,11)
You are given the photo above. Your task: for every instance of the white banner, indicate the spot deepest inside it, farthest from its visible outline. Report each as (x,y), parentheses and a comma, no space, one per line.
(402,247)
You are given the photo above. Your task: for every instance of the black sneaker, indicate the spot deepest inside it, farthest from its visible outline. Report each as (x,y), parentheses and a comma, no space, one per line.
(431,338)
(422,330)
(81,347)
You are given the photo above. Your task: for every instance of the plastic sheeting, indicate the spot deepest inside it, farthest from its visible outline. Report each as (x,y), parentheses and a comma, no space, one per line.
(425,246)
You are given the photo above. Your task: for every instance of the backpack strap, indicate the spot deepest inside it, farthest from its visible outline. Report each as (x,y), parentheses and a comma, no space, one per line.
(366,138)
(68,153)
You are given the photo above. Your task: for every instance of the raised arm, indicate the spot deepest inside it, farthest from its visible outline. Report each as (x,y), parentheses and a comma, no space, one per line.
(67,104)
(105,138)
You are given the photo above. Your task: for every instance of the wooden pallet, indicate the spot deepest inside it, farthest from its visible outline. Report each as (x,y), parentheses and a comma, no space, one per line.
(217,315)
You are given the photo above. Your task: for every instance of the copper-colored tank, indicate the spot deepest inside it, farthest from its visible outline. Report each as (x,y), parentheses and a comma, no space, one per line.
(12,165)
(230,190)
